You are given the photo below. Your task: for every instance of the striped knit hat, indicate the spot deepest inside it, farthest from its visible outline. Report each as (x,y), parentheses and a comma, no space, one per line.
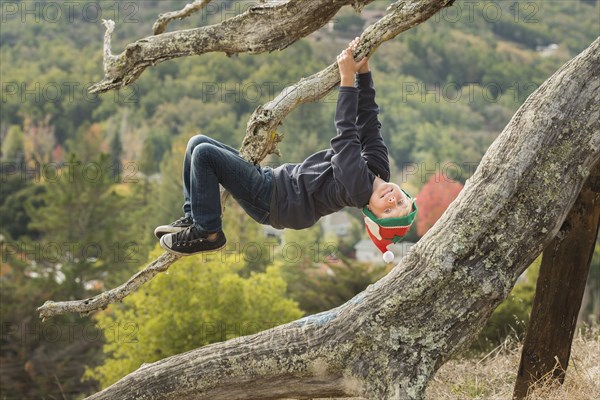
(385,231)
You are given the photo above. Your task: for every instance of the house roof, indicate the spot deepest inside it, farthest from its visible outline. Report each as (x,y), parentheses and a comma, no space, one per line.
(338,218)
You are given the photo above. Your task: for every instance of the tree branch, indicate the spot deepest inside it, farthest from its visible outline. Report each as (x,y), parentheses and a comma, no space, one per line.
(261,138)
(108,57)
(389,340)
(50,308)
(559,290)
(272,25)
(163,19)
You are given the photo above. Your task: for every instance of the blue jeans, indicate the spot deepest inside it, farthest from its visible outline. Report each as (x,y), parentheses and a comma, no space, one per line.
(207,164)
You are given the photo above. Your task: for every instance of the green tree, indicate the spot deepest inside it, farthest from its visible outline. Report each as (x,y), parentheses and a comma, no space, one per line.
(348,22)
(11,148)
(319,277)
(591,311)
(147,163)
(39,360)
(323,286)
(15,191)
(116,150)
(201,300)
(79,226)
(166,194)
(246,240)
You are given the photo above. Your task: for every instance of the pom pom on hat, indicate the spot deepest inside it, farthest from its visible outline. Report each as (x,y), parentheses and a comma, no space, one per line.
(388,256)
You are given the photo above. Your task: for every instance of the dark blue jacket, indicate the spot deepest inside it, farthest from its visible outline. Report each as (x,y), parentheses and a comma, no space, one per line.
(341,176)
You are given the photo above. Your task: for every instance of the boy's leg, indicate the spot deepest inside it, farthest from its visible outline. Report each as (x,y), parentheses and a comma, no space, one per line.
(210,165)
(187,161)
(249,184)
(187,220)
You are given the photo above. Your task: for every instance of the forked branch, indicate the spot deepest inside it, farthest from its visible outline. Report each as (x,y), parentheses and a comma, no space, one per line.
(163,19)
(50,308)
(261,139)
(268,26)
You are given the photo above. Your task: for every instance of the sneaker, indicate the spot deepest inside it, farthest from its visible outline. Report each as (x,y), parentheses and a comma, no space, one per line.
(189,241)
(173,227)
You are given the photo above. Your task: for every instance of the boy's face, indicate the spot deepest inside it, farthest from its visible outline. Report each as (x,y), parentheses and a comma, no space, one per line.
(388,201)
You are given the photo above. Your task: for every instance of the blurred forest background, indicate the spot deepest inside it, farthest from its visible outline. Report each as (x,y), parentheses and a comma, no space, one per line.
(86,178)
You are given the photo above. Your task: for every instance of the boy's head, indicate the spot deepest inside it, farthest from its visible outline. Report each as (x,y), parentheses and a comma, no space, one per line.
(389,201)
(389,215)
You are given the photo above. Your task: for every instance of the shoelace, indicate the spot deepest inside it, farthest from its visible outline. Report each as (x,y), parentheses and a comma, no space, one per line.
(186,220)
(186,236)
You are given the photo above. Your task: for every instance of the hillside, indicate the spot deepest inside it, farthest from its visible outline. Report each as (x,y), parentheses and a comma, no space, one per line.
(446,87)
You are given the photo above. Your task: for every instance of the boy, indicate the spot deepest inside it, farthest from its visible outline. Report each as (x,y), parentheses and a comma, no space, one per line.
(353,172)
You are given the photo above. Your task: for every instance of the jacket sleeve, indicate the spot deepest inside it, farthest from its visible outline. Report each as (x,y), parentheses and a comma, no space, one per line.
(374,149)
(349,167)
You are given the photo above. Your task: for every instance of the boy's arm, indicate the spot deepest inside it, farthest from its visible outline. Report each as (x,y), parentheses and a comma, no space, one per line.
(374,149)
(349,167)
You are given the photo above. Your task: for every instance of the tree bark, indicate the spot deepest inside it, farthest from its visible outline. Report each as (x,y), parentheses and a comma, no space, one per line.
(388,341)
(559,291)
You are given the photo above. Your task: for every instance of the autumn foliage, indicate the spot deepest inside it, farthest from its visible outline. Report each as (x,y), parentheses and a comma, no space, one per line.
(433,199)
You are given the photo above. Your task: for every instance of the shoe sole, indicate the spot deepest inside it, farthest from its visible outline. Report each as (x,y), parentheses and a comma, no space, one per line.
(188,254)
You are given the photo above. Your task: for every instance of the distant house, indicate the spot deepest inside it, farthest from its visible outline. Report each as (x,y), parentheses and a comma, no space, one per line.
(372,16)
(546,51)
(338,223)
(367,252)
(269,231)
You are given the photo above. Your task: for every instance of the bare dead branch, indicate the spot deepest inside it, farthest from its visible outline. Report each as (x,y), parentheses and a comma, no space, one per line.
(268,26)
(163,19)
(107,53)
(50,308)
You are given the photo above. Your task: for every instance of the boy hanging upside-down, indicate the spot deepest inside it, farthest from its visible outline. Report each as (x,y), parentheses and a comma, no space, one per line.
(354,172)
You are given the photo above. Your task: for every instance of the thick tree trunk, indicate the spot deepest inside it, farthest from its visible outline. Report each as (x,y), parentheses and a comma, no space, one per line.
(559,291)
(387,342)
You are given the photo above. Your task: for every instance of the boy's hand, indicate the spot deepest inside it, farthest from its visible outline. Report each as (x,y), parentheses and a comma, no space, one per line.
(348,67)
(354,45)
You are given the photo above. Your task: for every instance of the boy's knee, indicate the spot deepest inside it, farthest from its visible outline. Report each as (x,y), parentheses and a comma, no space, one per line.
(195,141)
(202,151)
